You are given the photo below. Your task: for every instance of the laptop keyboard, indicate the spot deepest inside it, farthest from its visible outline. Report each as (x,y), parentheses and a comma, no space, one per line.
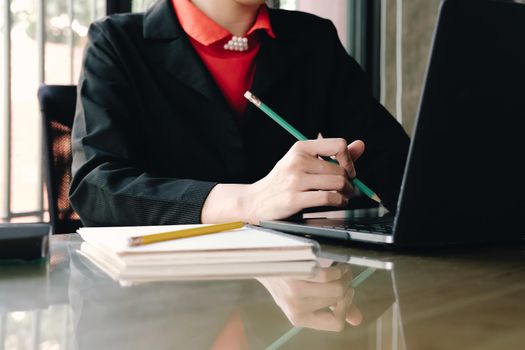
(378,225)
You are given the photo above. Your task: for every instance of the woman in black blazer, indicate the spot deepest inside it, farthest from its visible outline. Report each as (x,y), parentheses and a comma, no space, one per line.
(155,141)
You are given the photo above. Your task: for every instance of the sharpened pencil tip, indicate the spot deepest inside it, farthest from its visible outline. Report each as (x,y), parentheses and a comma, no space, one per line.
(376,198)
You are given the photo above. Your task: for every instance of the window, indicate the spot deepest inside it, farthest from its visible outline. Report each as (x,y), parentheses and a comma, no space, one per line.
(406,28)
(42,41)
(391,40)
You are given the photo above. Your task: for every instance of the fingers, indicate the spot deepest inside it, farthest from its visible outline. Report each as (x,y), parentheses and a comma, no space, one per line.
(339,183)
(327,148)
(322,302)
(335,289)
(321,147)
(305,163)
(311,199)
(324,321)
(354,315)
(332,318)
(304,289)
(344,154)
(301,180)
(356,149)
(313,304)
(325,263)
(331,273)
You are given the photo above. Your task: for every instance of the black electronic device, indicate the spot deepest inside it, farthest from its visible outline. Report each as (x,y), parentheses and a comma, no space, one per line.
(463,182)
(24,241)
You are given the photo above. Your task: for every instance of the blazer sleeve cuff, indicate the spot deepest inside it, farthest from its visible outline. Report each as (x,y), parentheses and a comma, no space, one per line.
(189,209)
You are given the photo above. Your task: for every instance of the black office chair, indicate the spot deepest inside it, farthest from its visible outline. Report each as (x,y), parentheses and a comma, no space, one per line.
(57,104)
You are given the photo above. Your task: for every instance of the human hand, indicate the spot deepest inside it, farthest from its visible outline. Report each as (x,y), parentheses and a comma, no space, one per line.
(301,180)
(322,302)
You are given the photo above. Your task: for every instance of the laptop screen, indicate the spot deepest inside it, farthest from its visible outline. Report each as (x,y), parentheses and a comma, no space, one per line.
(463,183)
(462,180)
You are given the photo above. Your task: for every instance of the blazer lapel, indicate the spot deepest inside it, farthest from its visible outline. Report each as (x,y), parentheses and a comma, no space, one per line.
(271,65)
(169,47)
(172,50)
(276,56)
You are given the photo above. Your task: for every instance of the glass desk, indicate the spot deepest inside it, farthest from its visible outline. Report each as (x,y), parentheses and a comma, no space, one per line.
(359,299)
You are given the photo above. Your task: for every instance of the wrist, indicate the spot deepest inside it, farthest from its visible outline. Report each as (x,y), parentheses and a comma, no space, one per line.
(226,202)
(248,204)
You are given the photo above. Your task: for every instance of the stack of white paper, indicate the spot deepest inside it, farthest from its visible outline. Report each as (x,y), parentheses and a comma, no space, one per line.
(241,253)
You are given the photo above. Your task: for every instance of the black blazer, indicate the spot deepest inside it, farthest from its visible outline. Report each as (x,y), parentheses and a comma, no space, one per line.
(153,134)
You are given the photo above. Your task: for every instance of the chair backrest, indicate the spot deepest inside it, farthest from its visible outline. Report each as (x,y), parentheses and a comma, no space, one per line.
(57,104)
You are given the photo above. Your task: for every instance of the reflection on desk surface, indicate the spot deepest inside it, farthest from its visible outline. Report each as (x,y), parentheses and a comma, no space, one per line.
(469,299)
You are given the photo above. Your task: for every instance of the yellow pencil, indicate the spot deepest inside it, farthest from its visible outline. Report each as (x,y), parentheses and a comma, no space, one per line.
(190,232)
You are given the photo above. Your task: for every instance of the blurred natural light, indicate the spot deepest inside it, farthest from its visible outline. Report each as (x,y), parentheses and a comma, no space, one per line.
(64,42)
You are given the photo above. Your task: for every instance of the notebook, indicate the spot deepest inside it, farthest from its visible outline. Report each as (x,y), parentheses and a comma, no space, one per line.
(462,183)
(240,253)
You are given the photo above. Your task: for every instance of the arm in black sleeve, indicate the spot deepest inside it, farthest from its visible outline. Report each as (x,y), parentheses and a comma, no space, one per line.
(355,114)
(111,183)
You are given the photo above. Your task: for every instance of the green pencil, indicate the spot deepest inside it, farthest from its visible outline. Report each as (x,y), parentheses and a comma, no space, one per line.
(269,112)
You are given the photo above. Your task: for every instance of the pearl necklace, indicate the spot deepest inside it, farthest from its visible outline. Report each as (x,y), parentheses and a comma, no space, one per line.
(237,43)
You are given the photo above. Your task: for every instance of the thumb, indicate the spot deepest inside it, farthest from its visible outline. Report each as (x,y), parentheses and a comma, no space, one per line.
(356,149)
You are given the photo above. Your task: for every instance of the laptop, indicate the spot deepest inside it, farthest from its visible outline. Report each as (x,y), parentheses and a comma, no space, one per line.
(463,181)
